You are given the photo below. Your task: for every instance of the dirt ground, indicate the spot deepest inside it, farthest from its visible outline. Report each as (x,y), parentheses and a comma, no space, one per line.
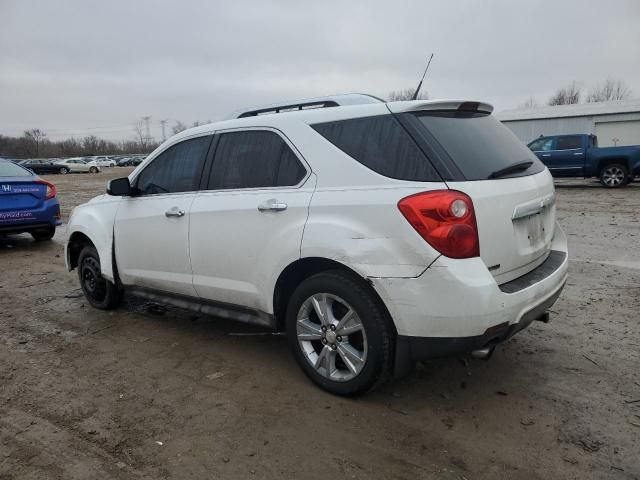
(149,392)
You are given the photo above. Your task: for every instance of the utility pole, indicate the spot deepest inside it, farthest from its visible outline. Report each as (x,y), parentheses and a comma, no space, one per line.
(163,124)
(147,119)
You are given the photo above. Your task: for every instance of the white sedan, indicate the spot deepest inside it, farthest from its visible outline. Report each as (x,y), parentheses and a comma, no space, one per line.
(75,165)
(102,162)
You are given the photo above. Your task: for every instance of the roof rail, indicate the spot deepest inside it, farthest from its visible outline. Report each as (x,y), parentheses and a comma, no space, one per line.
(307,104)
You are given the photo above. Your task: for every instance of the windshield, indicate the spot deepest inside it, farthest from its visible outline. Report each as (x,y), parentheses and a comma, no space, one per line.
(8,169)
(478,144)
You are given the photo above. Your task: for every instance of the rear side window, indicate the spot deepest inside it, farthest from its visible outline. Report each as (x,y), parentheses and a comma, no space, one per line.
(9,169)
(177,169)
(254,159)
(381,144)
(477,143)
(568,143)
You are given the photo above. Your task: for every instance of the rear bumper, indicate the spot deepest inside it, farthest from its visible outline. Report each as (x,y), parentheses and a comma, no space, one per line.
(456,305)
(47,216)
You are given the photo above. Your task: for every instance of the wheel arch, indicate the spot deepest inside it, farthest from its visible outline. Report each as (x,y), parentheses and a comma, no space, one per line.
(610,161)
(303,268)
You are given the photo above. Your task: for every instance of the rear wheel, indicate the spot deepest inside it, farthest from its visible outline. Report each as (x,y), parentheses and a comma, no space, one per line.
(42,235)
(339,333)
(64,170)
(100,292)
(614,175)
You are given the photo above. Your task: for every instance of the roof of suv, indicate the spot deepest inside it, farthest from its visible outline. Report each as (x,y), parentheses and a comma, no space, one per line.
(368,106)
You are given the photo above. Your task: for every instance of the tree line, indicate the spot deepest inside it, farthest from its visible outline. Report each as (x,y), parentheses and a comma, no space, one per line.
(34,143)
(609,90)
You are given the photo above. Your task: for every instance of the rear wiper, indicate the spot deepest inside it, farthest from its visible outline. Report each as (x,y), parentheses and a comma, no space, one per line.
(516,167)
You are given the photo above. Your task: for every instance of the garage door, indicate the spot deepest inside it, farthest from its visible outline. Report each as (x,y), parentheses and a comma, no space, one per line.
(618,133)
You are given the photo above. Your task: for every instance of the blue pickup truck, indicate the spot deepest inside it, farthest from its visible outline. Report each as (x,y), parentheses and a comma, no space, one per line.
(579,156)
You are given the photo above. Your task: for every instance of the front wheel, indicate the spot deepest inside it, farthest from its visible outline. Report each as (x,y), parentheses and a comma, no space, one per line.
(93,170)
(64,170)
(339,333)
(614,175)
(100,292)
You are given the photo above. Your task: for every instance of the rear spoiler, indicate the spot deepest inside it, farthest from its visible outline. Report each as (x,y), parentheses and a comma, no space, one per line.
(433,105)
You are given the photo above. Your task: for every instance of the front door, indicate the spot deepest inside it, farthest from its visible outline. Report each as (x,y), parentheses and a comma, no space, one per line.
(247,225)
(152,226)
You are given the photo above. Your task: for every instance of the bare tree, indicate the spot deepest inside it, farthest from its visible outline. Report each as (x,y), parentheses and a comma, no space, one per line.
(141,134)
(566,96)
(406,94)
(611,89)
(178,127)
(33,138)
(529,103)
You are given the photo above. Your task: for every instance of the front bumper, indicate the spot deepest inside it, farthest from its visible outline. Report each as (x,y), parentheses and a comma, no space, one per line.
(456,305)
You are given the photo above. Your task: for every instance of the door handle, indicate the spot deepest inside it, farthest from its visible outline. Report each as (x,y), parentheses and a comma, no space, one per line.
(174,212)
(578,153)
(546,154)
(272,205)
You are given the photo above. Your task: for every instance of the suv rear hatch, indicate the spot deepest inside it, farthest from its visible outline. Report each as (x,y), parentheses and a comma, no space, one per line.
(511,190)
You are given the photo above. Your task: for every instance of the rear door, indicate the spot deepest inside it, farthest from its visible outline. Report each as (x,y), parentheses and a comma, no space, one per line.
(248,223)
(515,208)
(152,227)
(567,156)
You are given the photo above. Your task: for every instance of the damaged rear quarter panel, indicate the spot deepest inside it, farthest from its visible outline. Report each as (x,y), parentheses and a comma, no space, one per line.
(363,229)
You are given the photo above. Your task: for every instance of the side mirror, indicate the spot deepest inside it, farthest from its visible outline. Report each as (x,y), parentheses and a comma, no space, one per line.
(119,187)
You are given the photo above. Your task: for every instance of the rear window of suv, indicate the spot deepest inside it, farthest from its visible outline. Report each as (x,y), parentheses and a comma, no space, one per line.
(381,144)
(476,143)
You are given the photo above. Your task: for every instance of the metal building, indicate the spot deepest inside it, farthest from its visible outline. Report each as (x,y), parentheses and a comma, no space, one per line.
(615,123)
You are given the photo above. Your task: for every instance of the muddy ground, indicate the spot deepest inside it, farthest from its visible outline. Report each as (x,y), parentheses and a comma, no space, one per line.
(147,392)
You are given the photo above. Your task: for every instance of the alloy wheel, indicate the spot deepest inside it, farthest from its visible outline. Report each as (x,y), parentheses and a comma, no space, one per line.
(613,176)
(332,337)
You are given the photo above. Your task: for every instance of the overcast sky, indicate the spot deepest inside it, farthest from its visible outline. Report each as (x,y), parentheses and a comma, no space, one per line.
(85,66)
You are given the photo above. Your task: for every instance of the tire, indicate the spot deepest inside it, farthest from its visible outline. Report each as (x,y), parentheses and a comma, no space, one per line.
(93,170)
(43,235)
(98,291)
(614,175)
(64,171)
(362,358)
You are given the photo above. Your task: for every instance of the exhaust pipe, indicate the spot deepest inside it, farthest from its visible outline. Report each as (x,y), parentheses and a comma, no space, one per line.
(483,353)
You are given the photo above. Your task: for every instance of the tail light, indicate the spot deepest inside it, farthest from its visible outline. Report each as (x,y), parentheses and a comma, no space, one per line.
(445,219)
(51,189)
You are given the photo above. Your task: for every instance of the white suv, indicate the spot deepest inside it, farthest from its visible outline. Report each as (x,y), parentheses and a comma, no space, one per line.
(375,234)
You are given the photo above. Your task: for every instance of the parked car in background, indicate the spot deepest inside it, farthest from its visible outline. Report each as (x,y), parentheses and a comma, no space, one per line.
(44,166)
(579,156)
(76,165)
(131,162)
(27,203)
(375,234)
(101,161)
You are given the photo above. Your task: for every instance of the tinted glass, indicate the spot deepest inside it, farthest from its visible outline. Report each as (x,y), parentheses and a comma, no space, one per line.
(381,144)
(254,159)
(9,169)
(542,145)
(568,143)
(177,169)
(478,144)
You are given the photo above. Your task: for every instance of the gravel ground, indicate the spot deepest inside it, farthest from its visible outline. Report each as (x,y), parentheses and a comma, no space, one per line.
(152,392)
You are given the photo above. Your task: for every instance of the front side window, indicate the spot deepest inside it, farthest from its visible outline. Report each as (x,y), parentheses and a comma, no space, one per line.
(177,169)
(254,159)
(568,143)
(541,145)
